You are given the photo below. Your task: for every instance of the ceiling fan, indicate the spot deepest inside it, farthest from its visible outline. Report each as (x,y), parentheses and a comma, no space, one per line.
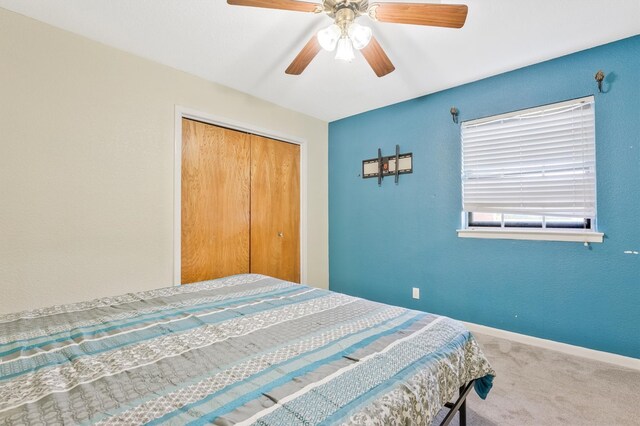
(345,33)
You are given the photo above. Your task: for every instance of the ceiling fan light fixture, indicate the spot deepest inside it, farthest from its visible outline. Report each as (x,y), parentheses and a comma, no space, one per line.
(345,49)
(328,37)
(344,34)
(360,35)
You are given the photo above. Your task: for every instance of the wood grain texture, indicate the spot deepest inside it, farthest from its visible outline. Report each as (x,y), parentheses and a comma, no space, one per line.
(377,58)
(296,6)
(304,58)
(435,15)
(275,208)
(215,201)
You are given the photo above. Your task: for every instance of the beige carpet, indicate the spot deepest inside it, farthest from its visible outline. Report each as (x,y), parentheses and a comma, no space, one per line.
(536,386)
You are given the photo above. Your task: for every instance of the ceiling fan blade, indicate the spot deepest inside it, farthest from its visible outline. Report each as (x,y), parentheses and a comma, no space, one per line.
(376,57)
(435,15)
(297,6)
(304,58)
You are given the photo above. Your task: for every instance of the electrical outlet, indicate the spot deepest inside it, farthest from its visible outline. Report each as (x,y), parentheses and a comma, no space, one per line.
(416,293)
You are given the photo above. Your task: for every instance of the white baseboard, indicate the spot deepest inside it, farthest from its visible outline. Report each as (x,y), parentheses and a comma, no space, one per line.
(619,360)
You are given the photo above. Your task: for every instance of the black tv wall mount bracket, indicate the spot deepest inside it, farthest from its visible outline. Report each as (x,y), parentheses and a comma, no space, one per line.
(395,165)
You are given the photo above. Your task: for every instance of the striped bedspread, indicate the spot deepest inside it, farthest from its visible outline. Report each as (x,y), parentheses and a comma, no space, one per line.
(246,349)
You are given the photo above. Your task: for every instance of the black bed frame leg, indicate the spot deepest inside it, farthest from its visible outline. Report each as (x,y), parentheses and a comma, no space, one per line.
(460,406)
(463,409)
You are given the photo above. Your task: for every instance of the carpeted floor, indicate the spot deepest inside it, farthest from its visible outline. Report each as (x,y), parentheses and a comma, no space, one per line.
(536,386)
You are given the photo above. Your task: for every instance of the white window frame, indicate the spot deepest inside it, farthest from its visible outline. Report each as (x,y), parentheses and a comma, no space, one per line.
(586,235)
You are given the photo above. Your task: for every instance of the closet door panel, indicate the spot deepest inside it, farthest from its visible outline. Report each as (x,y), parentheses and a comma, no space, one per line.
(215,201)
(275,208)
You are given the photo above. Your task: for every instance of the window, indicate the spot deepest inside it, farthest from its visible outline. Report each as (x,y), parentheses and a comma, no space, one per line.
(531,174)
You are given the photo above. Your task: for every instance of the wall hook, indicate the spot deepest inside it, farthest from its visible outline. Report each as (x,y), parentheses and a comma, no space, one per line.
(454,114)
(599,78)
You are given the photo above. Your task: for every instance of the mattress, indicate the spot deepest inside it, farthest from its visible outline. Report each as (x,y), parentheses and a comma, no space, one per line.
(246,349)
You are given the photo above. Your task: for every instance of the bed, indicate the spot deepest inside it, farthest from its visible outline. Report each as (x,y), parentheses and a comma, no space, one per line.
(245,349)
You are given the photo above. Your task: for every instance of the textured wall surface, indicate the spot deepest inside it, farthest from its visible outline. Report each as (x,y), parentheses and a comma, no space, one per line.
(385,240)
(86,165)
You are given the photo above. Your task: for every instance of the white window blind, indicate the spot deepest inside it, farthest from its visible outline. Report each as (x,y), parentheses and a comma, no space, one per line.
(539,161)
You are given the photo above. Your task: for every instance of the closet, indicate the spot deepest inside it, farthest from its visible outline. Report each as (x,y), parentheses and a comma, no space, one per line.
(240,204)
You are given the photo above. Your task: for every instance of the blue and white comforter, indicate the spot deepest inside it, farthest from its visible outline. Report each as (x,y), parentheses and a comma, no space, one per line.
(246,349)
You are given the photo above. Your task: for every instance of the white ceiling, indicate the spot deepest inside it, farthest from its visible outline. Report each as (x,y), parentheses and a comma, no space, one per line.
(248,49)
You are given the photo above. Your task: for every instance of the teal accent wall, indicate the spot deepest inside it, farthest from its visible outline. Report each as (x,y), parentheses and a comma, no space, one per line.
(385,240)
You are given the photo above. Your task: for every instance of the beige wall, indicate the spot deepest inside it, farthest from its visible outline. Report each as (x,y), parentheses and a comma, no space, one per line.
(86,165)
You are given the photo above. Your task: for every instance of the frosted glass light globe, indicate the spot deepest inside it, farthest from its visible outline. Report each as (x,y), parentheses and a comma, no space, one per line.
(328,37)
(345,49)
(359,35)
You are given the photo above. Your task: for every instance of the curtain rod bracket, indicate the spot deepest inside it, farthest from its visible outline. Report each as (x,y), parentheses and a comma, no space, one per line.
(454,114)
(599,78)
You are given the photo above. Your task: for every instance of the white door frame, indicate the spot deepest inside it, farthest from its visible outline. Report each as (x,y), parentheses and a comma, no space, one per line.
(182,112)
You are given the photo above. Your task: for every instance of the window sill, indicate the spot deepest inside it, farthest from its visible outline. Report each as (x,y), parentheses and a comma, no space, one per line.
(578,236)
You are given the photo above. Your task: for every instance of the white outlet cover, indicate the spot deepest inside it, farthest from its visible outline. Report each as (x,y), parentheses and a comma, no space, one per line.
(416,293)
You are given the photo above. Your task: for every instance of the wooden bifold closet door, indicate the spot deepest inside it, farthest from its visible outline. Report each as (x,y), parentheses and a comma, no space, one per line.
(216,198)
(240,204)
(275,208)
